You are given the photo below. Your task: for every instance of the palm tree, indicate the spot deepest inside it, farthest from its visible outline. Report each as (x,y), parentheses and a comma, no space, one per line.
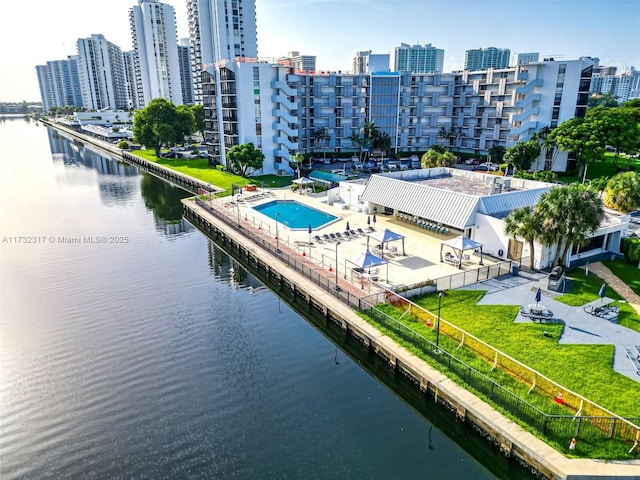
(370,133)
(320,135)
(568,215)
(522,222)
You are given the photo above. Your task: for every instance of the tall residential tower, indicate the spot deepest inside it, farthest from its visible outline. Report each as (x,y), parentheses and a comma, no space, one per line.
(483,58)
(155,42)
(417,58)
(220,30)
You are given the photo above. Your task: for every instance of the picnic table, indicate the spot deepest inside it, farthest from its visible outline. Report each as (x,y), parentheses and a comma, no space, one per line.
(536,312)
(601,311)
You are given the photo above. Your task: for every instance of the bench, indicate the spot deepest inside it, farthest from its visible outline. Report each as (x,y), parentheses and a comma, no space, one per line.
(602,312)
(536,316)
(634,357)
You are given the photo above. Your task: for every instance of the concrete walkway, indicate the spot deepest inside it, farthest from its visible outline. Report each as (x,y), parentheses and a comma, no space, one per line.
(580,326)
(618,285)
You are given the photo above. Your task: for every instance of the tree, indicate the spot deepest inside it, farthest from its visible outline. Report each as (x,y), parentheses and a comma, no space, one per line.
(320,135)
(579,136)
(123,145)
(568,214)
(522,154)
(358,141)
(245,156)
(161,122)
(622,192)
(602,100)
(297,159)
(434,158)
(198,117)
(383,143)
(619,126)
(497,153)
(523,222)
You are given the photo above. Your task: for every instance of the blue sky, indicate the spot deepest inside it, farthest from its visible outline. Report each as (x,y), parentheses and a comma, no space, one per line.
(334,30)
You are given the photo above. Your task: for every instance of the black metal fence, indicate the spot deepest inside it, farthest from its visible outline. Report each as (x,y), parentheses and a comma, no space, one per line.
(469,277)
(310,272)
(554,427)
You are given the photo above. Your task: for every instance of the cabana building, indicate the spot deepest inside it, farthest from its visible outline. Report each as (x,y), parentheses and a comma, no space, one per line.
(450,202)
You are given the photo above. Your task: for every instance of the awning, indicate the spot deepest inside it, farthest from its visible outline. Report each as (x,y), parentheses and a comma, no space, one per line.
(460,244)
(366,260)
(385,236)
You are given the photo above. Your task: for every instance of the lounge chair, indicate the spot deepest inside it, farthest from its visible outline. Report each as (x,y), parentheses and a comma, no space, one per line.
(317,238)
(338,235)
(360,231)
(326,238)
(352,233)
(333,236)
(346,234)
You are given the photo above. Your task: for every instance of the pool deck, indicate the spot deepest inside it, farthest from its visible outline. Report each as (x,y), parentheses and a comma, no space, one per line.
(422,248)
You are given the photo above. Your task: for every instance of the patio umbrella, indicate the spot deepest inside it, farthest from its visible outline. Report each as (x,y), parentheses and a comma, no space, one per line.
(538,296)
(368,220)
(348,227)
(603,289)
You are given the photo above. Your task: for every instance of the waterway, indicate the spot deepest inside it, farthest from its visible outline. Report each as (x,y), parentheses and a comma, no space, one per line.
(133,347)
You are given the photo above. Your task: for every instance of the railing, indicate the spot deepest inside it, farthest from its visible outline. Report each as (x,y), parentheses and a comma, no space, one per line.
(309,270)
(553,427)
(591,420)
(469,277)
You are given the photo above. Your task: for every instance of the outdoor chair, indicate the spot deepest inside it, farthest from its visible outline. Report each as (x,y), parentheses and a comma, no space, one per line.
(360,231)
(338,235)
(352,233)
(333,236)
(346,234)
(326,238)
(317,238)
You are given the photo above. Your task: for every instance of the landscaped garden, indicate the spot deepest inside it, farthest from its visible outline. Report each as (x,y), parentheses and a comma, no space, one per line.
(584,369)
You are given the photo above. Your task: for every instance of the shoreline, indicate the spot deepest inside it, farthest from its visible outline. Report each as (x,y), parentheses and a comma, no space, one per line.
(512,439)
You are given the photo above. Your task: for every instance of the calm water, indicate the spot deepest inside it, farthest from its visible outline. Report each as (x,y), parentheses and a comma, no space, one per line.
(132,347)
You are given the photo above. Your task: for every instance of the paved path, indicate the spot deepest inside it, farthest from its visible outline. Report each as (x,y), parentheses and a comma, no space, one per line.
(618,285)
(580,327)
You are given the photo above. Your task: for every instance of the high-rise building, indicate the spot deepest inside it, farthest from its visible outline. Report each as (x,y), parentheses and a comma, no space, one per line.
(130,76)
(102,74)
(367,62)
(417,58)
(186,74)
(299,62)
(59,83)
(220,30)
(483,58)
(279,109)
(623,85)
(524,58)
(155,42)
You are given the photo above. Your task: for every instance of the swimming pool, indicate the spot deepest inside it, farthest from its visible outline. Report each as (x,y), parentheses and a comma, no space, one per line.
(295,215)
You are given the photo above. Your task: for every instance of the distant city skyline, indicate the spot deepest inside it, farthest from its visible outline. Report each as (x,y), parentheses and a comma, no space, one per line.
(334,31)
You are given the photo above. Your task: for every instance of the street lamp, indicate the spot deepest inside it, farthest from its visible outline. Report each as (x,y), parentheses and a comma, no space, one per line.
(310,230)
(277,241)
(437,350)
(337,286)
(374,219)
(238,208)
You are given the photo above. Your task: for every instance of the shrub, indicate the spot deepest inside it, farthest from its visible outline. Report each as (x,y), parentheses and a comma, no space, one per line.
(123,145)
(631,249)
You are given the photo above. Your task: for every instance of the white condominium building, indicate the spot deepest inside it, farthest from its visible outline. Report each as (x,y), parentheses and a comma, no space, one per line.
(220,30)
(483,58)
(367,62)
(59,83)
(102,74)
(155,42)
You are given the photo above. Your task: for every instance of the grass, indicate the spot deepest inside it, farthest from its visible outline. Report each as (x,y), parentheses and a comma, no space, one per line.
(603,168)
(199,168)
(585,369)
(627,272)
(585,288)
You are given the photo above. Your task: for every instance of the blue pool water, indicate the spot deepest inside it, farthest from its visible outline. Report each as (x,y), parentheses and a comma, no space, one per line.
(295,215)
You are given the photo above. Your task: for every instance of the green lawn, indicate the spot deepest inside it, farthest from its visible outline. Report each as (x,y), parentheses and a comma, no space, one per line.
(199,168)
(584,369)
(627,272)
(604,168)
(584,289)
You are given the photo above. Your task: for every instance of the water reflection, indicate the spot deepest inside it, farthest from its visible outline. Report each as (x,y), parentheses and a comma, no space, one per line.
(163,199)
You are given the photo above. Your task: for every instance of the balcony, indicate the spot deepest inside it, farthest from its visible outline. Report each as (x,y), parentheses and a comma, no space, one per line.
(528,88)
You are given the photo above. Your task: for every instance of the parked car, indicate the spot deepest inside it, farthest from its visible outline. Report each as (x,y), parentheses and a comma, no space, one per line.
(358,165)
(480,168)
(339,171)
(393,166)
(492,167)
(472,161)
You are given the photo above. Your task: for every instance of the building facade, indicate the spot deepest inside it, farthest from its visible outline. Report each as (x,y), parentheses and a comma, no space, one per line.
(102,74)
(186,73)
(484,58)
(220,30)
(524,58)
(129,59)
(417,58)
(155,43)
(367,62)
(59,83)
(624,85)
(299,62)
(477,109)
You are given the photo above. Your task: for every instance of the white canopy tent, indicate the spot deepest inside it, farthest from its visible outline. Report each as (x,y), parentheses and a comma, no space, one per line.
(366,261)
(459,245)
(303,181)
(385,236)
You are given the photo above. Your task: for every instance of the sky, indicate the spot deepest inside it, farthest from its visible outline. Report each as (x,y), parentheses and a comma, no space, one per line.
(36,31)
